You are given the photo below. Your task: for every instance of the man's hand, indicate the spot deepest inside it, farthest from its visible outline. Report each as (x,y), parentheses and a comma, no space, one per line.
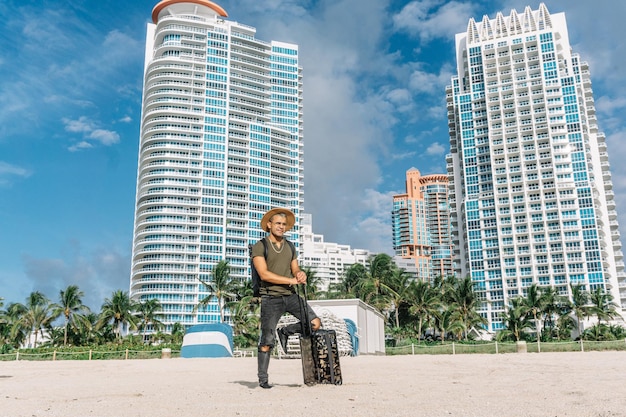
(301,277)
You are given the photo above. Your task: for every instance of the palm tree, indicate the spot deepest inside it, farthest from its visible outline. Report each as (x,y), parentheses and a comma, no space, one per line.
(177,333)
(463,299)
(423,302)
(37,314)
(565,325)
(579,305)
(15,331)
(5,337)
(374,289)
(221,286)
(515,318)
(245,320)
(445,287)
(148,312)
(447,320)
(398,288)
(313,283)
(90,331)
(347,287)
(71,307)
(555,306)
(534,303)
(243,289)
(118,310)
(603,306)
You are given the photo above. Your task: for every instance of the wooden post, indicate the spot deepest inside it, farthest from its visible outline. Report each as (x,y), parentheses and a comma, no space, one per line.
(453,350)
(412,349)
(496,347)
(126,357)
(90,354)
(54,355)
(17,355)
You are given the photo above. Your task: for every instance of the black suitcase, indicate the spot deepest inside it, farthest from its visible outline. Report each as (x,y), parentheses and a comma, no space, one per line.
(326,357)
(319,353)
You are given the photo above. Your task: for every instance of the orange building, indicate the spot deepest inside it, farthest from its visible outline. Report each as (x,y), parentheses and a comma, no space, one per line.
(421,224)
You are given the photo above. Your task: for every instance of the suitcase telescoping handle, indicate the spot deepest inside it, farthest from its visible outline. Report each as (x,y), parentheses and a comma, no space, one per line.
(306,323)
(309,369)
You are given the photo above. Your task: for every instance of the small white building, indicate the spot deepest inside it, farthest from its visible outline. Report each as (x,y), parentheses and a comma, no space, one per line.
(370,323)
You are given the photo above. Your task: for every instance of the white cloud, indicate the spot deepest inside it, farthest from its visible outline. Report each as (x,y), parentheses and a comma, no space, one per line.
(404,155)
(347,120)
(80,67)
(370,225)
(430,19)
(90,132)
(97,274)
(611,105)
(8,172)
(430,83)
(82,125)
(80,146)
(436,149)
(106,137)
(402,100)
(9,169)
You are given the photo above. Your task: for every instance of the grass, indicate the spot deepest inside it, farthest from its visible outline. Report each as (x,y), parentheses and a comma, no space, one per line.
(424,348)
(455,348)
(81,353)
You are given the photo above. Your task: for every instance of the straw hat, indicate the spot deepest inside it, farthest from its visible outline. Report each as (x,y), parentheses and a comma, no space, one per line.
(290,218)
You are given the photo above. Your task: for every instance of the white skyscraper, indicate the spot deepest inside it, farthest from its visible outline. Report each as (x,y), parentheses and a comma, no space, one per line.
(532,199)
(221,143)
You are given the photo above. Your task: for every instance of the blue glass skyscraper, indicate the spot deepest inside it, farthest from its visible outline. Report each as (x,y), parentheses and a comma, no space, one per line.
(220,144)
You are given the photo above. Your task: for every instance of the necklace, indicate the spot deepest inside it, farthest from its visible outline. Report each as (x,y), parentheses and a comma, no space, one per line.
(281,247)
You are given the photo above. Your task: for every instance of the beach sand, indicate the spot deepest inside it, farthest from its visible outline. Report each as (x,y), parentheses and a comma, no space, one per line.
(516,384)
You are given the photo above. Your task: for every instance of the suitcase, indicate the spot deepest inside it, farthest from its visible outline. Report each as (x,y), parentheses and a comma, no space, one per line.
(326,357)
(319,353)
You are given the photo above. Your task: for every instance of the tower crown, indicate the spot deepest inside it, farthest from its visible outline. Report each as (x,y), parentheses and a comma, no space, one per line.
(190,6)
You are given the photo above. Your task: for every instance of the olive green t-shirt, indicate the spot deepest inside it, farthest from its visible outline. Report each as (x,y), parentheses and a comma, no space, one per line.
(278,263)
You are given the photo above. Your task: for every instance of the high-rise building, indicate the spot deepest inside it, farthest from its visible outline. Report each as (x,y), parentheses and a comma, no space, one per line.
(221,143)
(531,192)
(421,225)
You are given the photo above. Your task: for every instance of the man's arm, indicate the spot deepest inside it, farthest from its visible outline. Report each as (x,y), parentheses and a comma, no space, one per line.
(268,276)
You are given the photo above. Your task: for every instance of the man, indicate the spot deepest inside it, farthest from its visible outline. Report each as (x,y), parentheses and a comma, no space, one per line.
(279,275)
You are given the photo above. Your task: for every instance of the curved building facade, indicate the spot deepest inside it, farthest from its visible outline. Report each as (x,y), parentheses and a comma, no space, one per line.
(220,144)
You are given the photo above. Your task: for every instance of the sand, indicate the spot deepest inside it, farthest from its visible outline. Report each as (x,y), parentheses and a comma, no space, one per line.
(515,384)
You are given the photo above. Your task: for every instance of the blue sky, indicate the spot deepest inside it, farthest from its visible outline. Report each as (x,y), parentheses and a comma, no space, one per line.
(375,73)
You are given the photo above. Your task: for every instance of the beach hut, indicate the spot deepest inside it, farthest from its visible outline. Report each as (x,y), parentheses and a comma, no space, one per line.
(208,341)
(369,323)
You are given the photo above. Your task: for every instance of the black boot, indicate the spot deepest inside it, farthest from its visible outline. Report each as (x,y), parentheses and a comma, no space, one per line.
(263,364)
(283,338)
